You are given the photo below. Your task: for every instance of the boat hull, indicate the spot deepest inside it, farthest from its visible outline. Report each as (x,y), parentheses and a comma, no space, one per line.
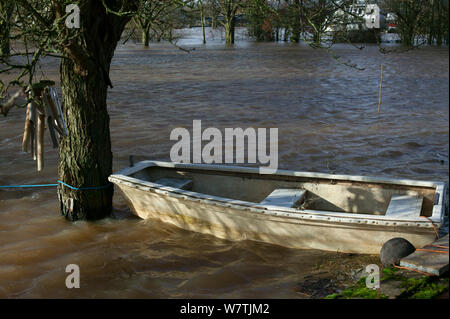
(236,222)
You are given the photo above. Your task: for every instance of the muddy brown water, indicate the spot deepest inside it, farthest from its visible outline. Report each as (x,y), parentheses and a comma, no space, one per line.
(328,122)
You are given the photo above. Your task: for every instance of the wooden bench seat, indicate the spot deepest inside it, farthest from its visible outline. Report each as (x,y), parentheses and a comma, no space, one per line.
(181,183)
(285,197)
(404,206)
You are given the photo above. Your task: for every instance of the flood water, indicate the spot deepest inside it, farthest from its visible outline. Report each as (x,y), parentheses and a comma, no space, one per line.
(327,120)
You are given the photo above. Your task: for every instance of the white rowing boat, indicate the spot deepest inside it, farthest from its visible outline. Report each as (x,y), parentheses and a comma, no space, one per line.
(353,214)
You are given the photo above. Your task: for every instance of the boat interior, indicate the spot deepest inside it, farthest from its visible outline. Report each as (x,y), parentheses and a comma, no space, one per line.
(300,192)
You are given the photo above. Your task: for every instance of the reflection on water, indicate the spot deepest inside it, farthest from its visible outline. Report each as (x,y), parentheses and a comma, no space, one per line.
(328,122)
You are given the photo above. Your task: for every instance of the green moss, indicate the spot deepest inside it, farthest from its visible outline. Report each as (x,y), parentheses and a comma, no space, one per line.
(358,291)
(389,272)
(424,287)
(363,292)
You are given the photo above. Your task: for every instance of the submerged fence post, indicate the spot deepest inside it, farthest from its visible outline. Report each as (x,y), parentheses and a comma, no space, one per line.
(381,83)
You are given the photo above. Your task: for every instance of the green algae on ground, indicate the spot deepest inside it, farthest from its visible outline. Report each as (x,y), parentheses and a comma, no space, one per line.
(426,287)
(358,291)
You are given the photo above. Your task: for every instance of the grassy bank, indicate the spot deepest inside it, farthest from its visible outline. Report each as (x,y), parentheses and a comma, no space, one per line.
(397,284)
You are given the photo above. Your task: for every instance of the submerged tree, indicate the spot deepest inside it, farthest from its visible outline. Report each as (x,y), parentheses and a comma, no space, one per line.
(263,19)
(438,22)
(295,13)
(410,14)
(319,17)
(226,10)
(85,157)
(436,19)
(202,19)
(156,16)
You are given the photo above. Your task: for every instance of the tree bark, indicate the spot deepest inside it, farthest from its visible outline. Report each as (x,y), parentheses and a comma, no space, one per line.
(6,9)
(296,29)
(408,36)
(202,19)
(4,40)
(317,38)
(146,37)
(85,157)
(439,24)
(233,28)
(229,30)
(431,31)
(286,34)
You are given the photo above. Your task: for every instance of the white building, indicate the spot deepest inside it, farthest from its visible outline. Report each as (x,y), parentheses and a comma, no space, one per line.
(370,16)
(373,17)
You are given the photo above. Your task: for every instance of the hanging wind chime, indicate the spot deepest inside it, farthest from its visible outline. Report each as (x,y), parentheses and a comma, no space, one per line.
(44,108)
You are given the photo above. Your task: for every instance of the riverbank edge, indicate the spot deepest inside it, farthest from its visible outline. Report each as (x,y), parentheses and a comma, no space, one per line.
(398,284)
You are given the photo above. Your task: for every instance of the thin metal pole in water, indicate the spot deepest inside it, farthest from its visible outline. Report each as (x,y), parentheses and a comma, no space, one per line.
(381,82)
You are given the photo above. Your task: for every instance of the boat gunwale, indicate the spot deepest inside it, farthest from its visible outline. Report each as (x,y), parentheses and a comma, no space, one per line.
(121,177)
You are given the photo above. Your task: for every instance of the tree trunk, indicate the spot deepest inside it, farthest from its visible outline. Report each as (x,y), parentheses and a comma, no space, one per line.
(6,9)
(85,157)
(227,33)
(431,24)
(4,40)
(439,24)
(295,35)
(286,34)
(233,29)
(408,36)
(146,37)
(202,18)
(229,30)
(317,39)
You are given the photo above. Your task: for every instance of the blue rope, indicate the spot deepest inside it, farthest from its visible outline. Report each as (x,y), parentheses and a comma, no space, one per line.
(48,185)
(85,188)
(20,186)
